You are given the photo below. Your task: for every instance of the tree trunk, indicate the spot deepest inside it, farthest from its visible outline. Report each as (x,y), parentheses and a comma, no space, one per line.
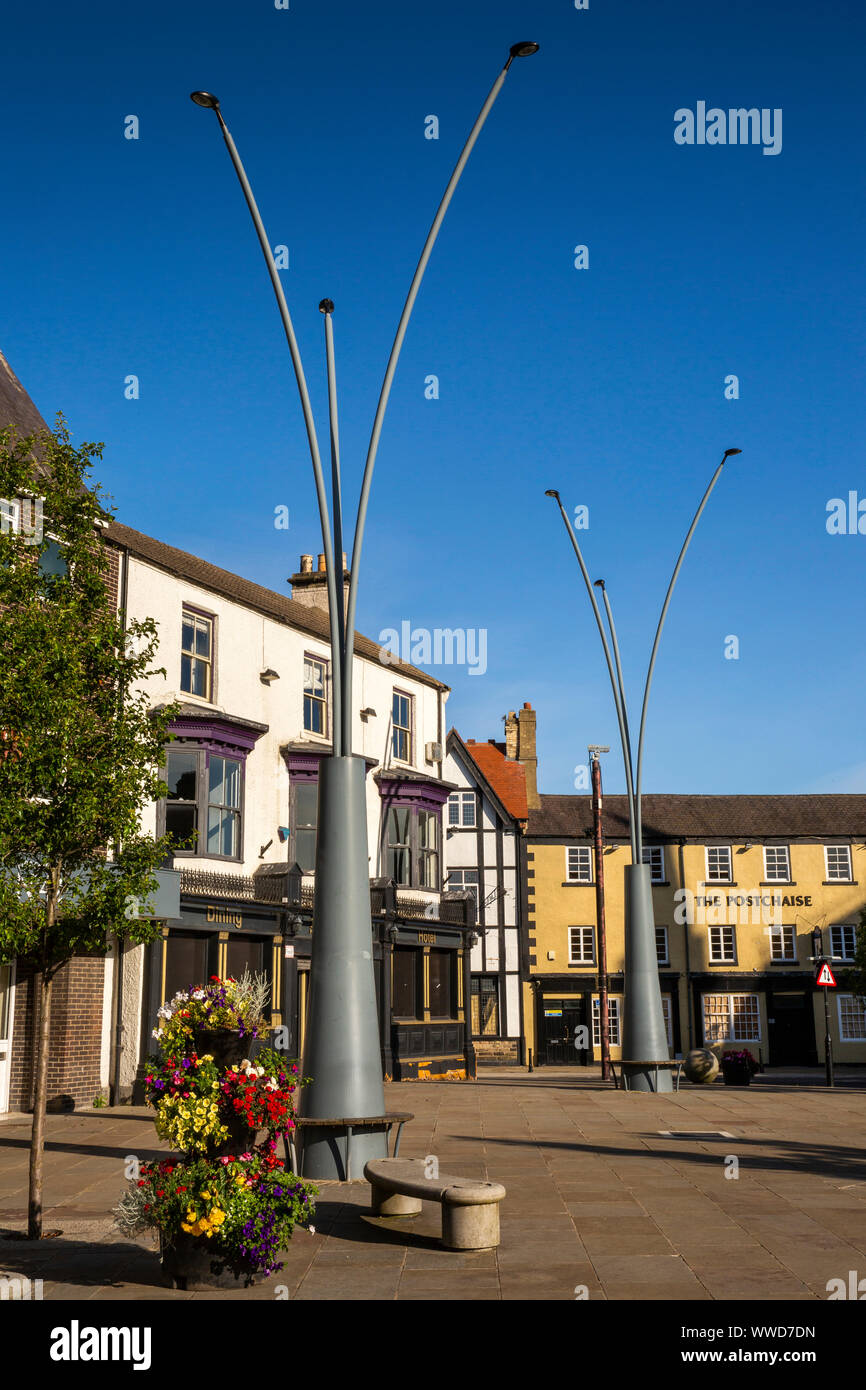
(37,1138)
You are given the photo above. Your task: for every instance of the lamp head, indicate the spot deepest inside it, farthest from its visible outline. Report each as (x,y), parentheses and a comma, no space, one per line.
(205,99)
(551,492)
(728,452)
(525,49)
(326,306)
(598,584)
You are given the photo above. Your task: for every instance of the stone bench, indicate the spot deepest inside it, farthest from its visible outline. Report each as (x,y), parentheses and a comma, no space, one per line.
(470,1207)
(666,1065)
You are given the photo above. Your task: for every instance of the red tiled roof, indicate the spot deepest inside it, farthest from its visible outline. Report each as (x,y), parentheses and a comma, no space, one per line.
(506,777)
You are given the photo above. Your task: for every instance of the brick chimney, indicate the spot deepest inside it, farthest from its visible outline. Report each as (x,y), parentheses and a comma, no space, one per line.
(520,746)
(311,586)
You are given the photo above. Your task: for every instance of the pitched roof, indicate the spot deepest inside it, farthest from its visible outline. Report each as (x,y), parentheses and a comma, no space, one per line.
(246,592)
(671,817)
(505,776)
(16,407)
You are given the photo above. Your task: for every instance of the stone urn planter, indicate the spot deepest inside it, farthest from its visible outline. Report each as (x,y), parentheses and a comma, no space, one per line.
(190,1263)
(701,1066)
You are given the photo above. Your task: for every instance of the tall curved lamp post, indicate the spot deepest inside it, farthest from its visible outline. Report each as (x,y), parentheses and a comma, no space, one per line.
(644,1038)
(342,1052)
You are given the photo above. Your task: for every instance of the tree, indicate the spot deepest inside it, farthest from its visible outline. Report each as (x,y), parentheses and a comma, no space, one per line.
(81,750)
(860,957)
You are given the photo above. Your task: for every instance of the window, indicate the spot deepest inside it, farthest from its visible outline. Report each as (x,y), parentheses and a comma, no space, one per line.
(777,866)
(581,945)
(315,696)
(428,849)
(404,994)
(852,1018)
(783,943)
(461,809)
(410,850)
(578,864)
(196,660)
(719,864)
(484,996)
(441,983)
(612,1021)
(10,515)
(464,878)
(204,790)
(398,860)
(662,946)
(731,1018)
(723,948)
(666,1010)
(843,942)
(654,855)
(838,859)
(305,797)
(401,727)
(223,807)
(181,803)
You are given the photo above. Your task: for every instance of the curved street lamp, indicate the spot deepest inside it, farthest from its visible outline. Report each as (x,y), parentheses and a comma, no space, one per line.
(644,1034)
(342,1051)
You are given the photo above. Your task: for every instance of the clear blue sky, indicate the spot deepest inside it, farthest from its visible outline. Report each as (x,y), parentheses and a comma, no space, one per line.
(123,256)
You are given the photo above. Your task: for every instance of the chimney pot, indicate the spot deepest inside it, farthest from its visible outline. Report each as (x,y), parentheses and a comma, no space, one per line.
(321,564)
(306,564)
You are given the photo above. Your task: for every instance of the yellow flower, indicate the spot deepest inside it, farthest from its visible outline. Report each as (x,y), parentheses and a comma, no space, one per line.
(206,1195)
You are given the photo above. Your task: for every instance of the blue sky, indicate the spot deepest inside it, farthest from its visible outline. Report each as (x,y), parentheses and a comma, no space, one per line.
(138,257)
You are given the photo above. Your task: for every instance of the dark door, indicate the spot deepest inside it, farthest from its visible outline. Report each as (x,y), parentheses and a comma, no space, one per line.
(560,1029)
(792,1030)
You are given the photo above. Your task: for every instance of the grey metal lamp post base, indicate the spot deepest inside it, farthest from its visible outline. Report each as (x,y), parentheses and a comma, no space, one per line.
(343,1053)
(643,1038)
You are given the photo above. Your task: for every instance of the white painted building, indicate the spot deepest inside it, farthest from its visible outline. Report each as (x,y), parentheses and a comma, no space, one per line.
(485,818)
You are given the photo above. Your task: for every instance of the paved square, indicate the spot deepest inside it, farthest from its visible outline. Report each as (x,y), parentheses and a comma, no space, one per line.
(601,1203)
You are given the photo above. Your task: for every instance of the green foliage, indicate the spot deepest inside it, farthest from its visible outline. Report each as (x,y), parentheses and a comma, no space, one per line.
(859,979)
(81,750)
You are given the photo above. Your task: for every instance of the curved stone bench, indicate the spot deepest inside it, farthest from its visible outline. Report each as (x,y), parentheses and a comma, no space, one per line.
(470,1207)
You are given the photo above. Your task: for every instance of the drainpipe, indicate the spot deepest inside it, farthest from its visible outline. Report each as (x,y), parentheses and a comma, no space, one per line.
(689,1000)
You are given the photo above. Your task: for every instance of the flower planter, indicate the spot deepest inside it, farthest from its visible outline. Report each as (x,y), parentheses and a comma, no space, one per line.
(225,1045)
(736,1073)
(241,1138)
(190,1263)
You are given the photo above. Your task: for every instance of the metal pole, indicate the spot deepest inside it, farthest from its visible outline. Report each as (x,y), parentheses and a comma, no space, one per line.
(389,377)
(652,662)
(600,584)
(285,316)
(595,765)
(327,308)
(620,712)
(828,1042)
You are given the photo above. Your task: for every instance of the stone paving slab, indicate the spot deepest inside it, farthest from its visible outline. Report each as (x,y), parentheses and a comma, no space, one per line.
(597,1199)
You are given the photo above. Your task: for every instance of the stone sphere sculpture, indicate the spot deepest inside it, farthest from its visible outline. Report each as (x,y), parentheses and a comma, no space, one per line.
(701,1065)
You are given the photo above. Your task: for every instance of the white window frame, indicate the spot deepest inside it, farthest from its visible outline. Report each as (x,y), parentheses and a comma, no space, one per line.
(10,509)
(729,1035)
(463,887)
(783,932)
(854,1001)
(775,850)
(462,801)
(844,928)
(311,659)
(666,958)
(654,855)
(614,1020)
(716,878)
(667,1012)
(582,958)
(190,612)
(723,938)
(834,877)
(581,851)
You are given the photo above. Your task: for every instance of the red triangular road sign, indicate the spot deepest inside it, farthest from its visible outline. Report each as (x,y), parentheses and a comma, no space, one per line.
(825,976)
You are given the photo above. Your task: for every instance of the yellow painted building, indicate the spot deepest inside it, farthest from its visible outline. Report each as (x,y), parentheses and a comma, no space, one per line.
(740,884)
